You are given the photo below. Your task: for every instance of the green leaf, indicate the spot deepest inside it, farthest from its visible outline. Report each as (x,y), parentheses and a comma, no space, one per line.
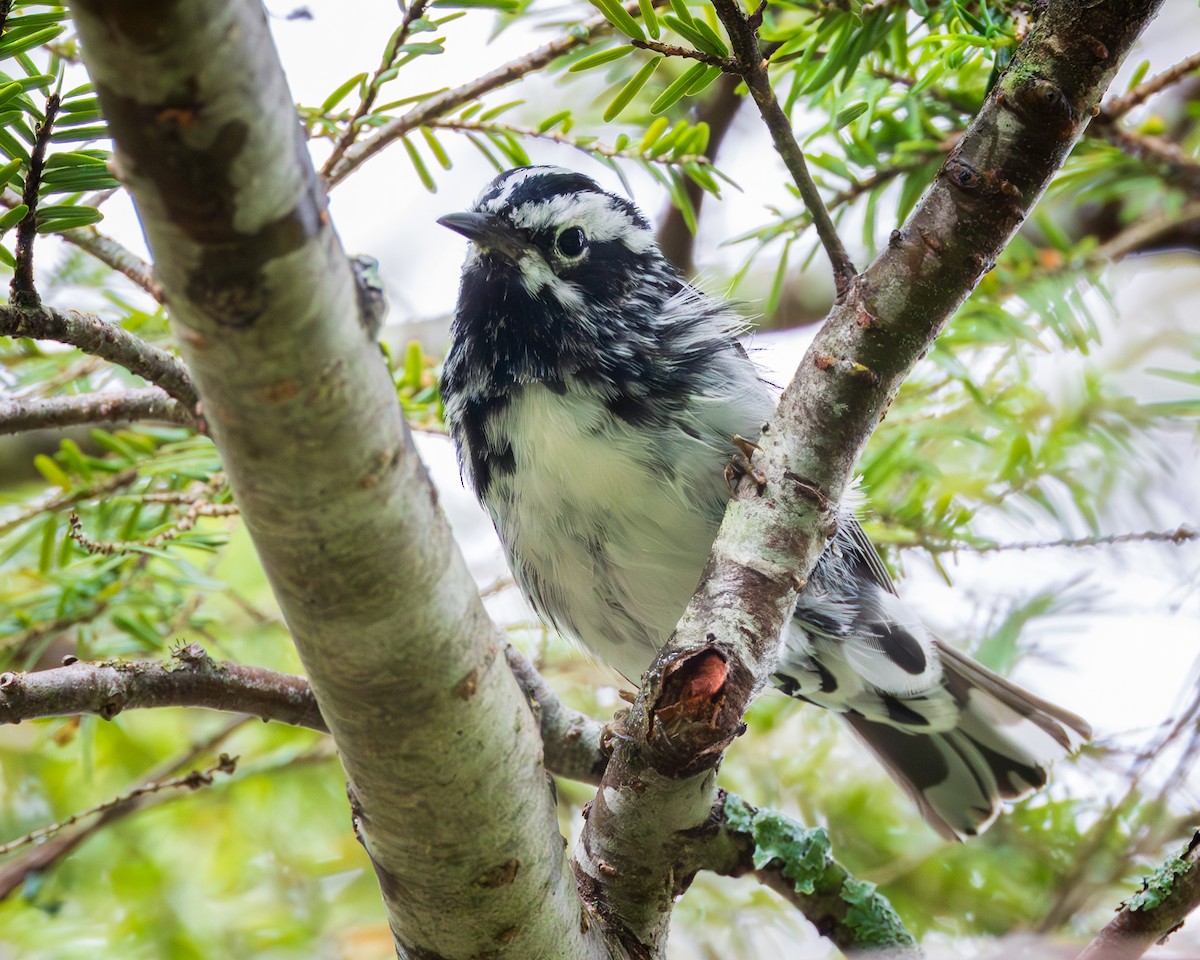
(649,17)
(693,33)
(422,49)
(12,217)
(631,89)
(713,42)
(1139,74)
(436,148)
(620,18)
(677,88)
(849,114)
(66,217)
(50,469)
(705,79)
(419,165)
(679,196)
(604,56)
(12,45)
(79,134)
(494,112)
(9,171)
(553,121)
(341,92)
(138,628)
(10,90)
(682,12)
(656,129)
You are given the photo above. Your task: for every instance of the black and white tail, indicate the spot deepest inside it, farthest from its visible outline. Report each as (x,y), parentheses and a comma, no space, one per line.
(1000,749)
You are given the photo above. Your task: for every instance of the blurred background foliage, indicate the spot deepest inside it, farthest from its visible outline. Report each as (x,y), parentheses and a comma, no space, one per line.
(1040,415)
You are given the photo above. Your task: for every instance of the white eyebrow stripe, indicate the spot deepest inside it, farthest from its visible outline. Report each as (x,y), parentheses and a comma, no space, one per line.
(595,213)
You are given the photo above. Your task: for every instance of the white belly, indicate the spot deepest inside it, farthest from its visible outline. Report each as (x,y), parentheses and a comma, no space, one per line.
(607,535)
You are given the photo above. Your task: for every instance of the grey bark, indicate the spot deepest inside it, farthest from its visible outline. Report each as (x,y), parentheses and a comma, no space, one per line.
(693,698)
(439,744)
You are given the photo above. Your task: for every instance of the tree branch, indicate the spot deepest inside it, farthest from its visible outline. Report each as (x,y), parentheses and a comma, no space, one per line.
(189,679)
(1120,106)
(108,251)
(442,103)
(437,740)
(1180,167)
(105,340)
(24,291)
(367,101)
(44,856)
(572,740)
(796,863)
(189,781)
(1153,913)
(743,34)
(127,406)
(723,651)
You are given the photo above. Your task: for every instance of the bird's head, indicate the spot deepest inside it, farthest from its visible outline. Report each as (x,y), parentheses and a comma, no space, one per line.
(558,236)
(559,272)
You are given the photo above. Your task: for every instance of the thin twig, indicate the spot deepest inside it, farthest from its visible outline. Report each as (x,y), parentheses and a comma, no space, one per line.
(727,64)
(1145,90)
(1138,235)
(183,525)
(753,70)
(108,251)
(108,485)
(105,340)
(17,416)
(442,103)
(531,133)
(1181,168)
(45,855)
(1179,535)
(373,86)
(23,290)
(190,781)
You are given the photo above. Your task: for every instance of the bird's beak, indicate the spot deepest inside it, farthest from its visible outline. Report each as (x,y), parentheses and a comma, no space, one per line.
(486,231)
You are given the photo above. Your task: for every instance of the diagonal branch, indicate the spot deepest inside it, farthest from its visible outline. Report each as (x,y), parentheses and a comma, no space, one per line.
(1154,912)
(442,103)
(407,668)
(743,34)
(796,863)
(41,858)
(723,651)
(1120,106)
(353,126)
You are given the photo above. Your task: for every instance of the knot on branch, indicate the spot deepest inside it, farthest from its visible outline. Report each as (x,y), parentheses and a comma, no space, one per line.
(1042,104)
(698,712)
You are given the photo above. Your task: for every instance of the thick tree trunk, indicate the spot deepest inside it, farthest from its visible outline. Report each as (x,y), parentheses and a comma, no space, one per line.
(440,746)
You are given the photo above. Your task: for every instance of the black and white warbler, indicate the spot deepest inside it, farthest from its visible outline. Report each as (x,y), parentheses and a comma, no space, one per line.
(594,397)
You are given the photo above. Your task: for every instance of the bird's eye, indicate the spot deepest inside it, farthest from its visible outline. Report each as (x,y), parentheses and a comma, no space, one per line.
(571,242)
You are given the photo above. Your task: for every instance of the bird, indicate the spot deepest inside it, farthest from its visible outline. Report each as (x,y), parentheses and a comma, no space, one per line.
(594,398)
